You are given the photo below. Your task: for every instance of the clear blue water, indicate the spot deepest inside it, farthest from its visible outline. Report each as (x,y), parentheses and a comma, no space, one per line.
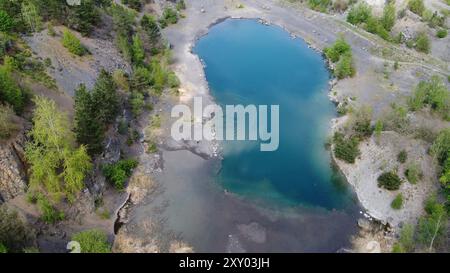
(250,63)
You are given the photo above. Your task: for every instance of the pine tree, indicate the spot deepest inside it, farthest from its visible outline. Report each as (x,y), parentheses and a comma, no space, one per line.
(89,130)
(138,50)
(85,17)
(105,98)
(149,24)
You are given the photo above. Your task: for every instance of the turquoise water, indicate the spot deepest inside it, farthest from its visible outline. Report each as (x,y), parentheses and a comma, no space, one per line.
(250,63)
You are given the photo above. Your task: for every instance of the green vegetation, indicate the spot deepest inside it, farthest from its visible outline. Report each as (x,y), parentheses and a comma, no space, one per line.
(6,22)
(340,53)
(406,241)
(119,172)
(28,15)
(397,203)
(7,125)
(360,122)
(433,93)
(422,43)
(441,33)
(92,241)
(378,129)
(413,173)
(440,150)
(134,4)
(49,214)
(10,92)
(138,50)
(169,17)
(319,5)
(121,80)
(432,228)
(94,111)
(389,181)
(396,119)
(137,103)
(359,13)
(402,156)
(346,148)
(416,6)
(72,43)
(151,28)
(3,249)
(57,167)
(181,5)
(389,16)
(14,234)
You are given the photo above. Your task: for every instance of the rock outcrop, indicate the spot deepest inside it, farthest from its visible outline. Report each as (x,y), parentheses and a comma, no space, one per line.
(13,180)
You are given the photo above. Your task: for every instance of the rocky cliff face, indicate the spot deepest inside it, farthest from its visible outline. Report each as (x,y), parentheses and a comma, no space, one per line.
(13,179)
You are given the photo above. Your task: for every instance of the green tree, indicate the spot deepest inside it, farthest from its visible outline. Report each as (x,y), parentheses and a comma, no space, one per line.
(406,242)
(137,103)
(119,172)
(138,50)
(72,43)
(89,130)
(9,90)
(432,228)
(51,153)
(105,98)
(31,16)
(378,128)
(84,17)
(389,16)
(92,241)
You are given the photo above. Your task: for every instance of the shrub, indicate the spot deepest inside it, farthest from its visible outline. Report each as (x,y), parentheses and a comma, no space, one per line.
(397,203)
(141,78)
(340,5)
(339,48)
(389,16)
(389,181)
(7,124)
(169,17)
(432,228)
(172,80)
(442,33)
(3,248)
(422,43)
(413,173)
(119,172)
(361,119)
(92,241)
(49,214)
(433,93)
(344,67)
(181,5)
(360,13)
(14,234)
(416,6)
(402,156)
(72,43)
(346,148)
(319,5)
